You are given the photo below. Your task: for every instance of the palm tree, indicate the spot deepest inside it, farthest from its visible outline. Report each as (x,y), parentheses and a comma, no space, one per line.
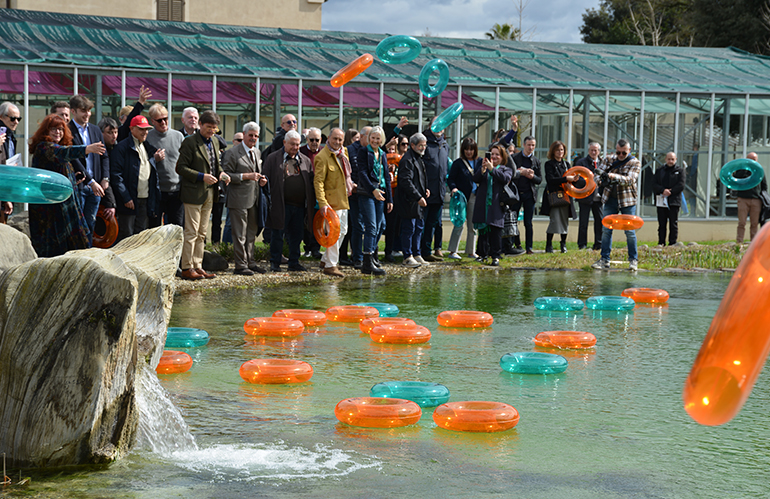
(503,32)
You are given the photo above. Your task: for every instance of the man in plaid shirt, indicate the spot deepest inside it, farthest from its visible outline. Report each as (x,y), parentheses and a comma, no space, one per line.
(618,174)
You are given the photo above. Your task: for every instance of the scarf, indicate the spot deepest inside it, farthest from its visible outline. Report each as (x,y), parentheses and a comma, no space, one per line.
(345,164)
(379,168)
(482,227)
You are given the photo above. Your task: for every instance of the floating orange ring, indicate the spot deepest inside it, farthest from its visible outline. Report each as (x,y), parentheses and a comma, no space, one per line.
(622,222)
(172,362)
(465,319)
(273,326)
(377,412)
(585,174)
(326,227)
(110,230)
(311,318)
(481,416)
(400,333)
(275,371)
(367,325)
(574,340)
(646,295)
(352,70)
(351,313)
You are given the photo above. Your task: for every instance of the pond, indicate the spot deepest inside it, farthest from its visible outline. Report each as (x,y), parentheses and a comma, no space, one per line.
(612,425)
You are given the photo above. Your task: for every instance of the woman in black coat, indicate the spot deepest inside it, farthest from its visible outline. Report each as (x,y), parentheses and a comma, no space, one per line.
(668,183)
(555,178)
(461,179)
(491,176)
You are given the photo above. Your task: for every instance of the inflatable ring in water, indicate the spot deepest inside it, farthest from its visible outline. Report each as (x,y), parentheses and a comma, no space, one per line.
(478,416)
(458,209)
(173,362)
(560,303)
(587,176)
(447,117)
(622,222)
(19,184)
(326,227)
(351,313)
(428,90)
(727,174)
(570,340)
(398,49)
(421,393)
(377,412)
(273,326)
(355,68)
(275,371)
(310,318)
(610,303)
(400,334)
(186,337)
(385,309)
(465,319)
(367,325)
(533,363)
(646,295)
(106,238)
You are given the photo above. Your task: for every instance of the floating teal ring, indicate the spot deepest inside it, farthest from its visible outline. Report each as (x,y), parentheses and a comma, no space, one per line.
(421,393)
(458,208)
(385,309)
(186,337)
(610,303)
(428,90)
(561,303)
(727,174)
(533,363)
(387,49)
(19,184)
(447,117)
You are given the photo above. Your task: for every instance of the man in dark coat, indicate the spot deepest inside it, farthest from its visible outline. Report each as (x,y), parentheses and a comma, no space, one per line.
(411,199)
(668,185)
(528,179)
(592,204)
(436,161)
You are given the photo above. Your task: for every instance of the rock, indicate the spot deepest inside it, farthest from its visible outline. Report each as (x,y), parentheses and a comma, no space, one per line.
(16,248)
(20,222)
(214,262)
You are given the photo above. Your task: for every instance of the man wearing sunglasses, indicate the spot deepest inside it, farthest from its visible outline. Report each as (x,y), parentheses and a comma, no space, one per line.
(288,122)
(9,120)
(167,141)
(618,174)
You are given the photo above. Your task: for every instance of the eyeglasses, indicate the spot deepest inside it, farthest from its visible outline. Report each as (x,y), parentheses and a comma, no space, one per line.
(621,153)
(161,120)
(314,140)
(404,144)
(57,130)
(15,118)
(291,121)
(237,140)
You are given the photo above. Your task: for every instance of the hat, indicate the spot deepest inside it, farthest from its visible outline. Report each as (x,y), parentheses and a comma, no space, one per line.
(140,121)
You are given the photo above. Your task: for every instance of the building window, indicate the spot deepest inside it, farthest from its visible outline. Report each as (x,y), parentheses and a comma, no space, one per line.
(170,10)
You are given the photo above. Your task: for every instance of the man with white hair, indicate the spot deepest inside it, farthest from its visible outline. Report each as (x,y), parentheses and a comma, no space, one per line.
(189,121)
(292,199)
(411,199)
(9,120)
(313,147)
(167,141)
(244,198)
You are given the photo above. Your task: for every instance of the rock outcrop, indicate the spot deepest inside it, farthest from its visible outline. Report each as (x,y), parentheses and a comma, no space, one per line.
(15,248)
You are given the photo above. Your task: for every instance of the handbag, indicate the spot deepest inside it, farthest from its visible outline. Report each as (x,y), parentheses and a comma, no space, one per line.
(557,199)
(510,195)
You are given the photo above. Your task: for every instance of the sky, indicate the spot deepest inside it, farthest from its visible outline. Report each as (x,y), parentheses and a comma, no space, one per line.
(543,20)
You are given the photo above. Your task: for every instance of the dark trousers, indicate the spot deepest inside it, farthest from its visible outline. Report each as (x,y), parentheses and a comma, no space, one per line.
(490,242)
(411,236)
(216,222)
(432,219)
(668,215)
(128,225)
(586,210)
(311,244)
(172,208)
(528,203)
(293,226)
(392,231)
(356,231)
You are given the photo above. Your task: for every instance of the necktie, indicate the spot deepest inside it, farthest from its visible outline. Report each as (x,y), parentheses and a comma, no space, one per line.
(253,158)
(212,158)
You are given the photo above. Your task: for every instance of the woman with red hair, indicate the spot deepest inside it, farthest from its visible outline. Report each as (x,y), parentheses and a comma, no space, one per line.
(61,227)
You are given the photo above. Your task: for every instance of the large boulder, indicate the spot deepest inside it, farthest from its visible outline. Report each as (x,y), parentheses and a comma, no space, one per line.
(16,248)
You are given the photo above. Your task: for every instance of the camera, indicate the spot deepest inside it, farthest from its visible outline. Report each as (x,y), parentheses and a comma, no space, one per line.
(604,179)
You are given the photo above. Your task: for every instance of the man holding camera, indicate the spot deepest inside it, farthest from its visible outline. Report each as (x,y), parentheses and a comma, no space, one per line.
(618,174)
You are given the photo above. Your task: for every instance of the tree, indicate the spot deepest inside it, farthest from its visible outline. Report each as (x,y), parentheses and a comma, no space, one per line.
(503,32)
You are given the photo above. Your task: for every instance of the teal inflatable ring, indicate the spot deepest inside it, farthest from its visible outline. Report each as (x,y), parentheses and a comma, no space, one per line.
(398,49)
(610,303)
(533,363)
(186,337)
(421,393)
(385,309)
(727,174)
(458,208)
(428,90)
(560,303)
(447,117)
(19,184)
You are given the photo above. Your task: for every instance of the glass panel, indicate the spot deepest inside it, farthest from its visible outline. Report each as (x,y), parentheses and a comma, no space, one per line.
(236,105)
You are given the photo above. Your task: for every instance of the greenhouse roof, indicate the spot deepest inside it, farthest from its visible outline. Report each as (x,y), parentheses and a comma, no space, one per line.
(29,37)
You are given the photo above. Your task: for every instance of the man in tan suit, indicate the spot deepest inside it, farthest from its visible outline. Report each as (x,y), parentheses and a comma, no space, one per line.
(242,164)
(333,185)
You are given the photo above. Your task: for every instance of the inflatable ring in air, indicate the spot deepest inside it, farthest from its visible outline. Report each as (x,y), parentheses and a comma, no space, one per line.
(622,222)
(610,303)
(19,184)
(367,325)
(110,234)
(421,393)
(310,318)
(273,326)
(400,334)
(394,158)
(447,117)
(568,340)
(477,416)
(533,363)
(398,49)
(646,295)
(173,362)
(326,227)
(428,90)
(355,68)
(186,337)
(587,176)
(458,208)
(377,412)
(275,371)
(351,313)
(465,319)
(560,303)
(727,174)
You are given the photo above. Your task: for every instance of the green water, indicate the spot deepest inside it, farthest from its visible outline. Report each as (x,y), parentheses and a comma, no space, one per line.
(611,426)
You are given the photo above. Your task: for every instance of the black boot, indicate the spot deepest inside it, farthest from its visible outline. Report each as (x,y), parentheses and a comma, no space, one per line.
(549,243)
(564,243)
(376,260)
(368,268)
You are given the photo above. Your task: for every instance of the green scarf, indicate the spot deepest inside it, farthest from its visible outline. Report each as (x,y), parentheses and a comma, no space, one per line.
(379,168)
(482,227)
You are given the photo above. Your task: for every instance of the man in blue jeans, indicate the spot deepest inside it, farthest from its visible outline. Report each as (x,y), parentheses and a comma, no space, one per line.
(618,174)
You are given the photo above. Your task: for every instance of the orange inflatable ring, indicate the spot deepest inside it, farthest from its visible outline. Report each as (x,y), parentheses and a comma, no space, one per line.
(273,326)
(400,333)
(275,371)
(622,222)
(172,362)
(310,318)
(585,174)
(351,313)
(480,416)
(394,158)
(646,295)
(352,70)
(367,325)
(326,227)
(110,234)
(377,412)
(573,340)
(465,319)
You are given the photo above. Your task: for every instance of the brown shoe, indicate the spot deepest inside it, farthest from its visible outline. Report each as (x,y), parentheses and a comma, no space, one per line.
(205,274)
(323,265)
(191,275)
(431,258)
(439,254)
(333,271)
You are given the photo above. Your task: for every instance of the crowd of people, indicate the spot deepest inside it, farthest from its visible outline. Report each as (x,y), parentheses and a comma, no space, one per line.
(139,173)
